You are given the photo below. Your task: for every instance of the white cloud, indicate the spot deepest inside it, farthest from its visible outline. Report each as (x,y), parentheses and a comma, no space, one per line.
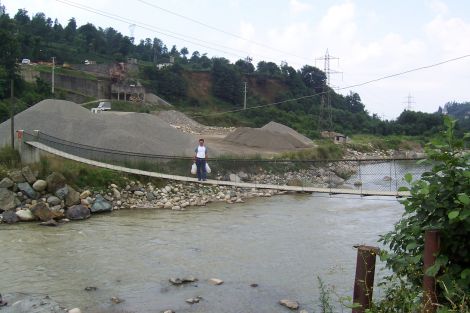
(297,7)
(450,35)
(438,7)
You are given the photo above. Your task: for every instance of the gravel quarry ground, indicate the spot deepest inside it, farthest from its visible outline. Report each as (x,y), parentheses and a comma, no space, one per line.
(163,133)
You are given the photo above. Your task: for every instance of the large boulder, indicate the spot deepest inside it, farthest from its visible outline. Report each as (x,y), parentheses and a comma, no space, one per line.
(8,200)
(6,183)
(101,205)
(16,176)
(62,192)
(10,217)
(55,181)
(28,174)
(40,185)
(28,190)
(53,201)
(41,211)
(57,212)
(72,197)
(77,212)
(25,215)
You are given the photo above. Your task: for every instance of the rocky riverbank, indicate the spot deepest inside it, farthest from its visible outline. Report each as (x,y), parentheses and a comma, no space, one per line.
(52,201)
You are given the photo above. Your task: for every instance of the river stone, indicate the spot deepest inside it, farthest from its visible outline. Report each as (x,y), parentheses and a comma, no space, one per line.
(40,185)
(216,281)
(77,212)
(149,195)
(167,188)
(57,212)
(16,176)
(116,194)
(25,215)
(10,217)
(101,205)
(62,192)
(27,190)
(8,199)
(72,197)
(85,194)
(28,174)
(55,181)
(53,201)
(6,183)
(75,310)
(41,211)
(234,178)
(291,304)
(139,193)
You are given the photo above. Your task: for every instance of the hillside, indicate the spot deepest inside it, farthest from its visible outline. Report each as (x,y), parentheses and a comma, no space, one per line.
(194,83)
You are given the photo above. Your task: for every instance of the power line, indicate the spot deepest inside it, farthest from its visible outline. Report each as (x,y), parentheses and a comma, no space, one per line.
(346,87)
(165,32)
(219,30)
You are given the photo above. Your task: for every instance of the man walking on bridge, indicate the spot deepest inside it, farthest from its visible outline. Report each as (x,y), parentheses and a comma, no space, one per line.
(200,158)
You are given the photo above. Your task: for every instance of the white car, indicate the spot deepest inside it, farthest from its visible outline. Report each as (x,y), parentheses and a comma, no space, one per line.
(26,61)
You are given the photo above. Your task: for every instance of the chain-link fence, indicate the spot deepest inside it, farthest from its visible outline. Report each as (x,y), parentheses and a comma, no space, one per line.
(360,174)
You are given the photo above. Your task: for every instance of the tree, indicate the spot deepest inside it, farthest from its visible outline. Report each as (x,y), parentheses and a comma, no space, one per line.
(268,69)
(353,101)
(70,30)
(226,81)
(245,66)
(184,52)
(313,78)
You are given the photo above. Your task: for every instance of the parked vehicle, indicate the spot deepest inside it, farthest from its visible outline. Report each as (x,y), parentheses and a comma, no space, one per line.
(26,61)
(102,106)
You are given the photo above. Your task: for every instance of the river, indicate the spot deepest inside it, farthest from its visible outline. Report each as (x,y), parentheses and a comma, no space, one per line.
(281,243)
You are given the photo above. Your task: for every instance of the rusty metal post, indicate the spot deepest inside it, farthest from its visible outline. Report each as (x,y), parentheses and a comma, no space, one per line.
(364,281)
(431,248)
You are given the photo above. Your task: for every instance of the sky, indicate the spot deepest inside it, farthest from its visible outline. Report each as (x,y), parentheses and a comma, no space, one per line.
(371,39)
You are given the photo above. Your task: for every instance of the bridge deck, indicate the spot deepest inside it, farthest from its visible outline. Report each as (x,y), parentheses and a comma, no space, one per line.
(69,156)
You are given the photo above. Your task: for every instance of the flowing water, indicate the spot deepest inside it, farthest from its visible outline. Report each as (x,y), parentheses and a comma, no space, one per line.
(281,243)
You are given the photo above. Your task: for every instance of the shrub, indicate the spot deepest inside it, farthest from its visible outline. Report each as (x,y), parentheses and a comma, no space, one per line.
(439,200)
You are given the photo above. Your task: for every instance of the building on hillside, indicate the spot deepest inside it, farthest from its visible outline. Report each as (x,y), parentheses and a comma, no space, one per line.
(336,137)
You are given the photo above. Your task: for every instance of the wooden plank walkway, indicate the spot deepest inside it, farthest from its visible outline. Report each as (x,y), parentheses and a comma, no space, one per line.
(72,157)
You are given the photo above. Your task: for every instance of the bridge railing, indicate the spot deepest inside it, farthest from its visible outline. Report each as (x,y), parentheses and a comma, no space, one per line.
(359,174)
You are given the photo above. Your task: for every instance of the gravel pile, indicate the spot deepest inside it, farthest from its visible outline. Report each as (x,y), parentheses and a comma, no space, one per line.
(262,138)
(283,129)
(138,132)
(181,121)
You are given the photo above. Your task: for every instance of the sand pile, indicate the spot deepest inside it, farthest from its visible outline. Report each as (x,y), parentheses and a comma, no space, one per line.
(137,132)
(181,121)
(262,138)
(283,129)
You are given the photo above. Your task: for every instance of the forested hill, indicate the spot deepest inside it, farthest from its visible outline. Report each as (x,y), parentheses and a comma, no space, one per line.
(196,82)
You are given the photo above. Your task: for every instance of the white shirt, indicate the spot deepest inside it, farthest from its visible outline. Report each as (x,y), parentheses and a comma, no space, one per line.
(201,152)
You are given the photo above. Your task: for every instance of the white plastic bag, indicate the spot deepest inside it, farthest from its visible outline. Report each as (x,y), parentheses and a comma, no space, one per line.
(208,169)
(194,169)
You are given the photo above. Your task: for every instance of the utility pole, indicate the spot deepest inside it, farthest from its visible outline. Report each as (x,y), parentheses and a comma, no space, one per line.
(12,114)
(53,74)
(325,101)
(244,101)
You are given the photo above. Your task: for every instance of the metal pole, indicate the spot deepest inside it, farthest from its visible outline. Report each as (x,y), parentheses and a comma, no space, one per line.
(12,114)
(364,281)
(53,74)
(431,249)
(244,102)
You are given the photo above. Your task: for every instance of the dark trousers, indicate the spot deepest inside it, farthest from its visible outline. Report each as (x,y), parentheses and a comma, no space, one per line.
(201,169)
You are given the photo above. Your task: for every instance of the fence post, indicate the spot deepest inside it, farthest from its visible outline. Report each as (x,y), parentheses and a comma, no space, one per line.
(364,281)
(431,248)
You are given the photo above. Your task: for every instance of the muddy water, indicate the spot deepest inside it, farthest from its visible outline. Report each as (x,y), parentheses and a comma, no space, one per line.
(280,243)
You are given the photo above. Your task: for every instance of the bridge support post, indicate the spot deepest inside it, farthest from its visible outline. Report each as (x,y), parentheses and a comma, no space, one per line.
(28,153)
(364,281)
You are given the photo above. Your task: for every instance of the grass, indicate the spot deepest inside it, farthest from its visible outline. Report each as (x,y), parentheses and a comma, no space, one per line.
(65,71)
(86,176)
(9,157)
(325,150)
(369,143)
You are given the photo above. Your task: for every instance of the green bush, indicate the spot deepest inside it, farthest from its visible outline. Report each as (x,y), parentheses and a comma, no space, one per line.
(9,157)
(439,200)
